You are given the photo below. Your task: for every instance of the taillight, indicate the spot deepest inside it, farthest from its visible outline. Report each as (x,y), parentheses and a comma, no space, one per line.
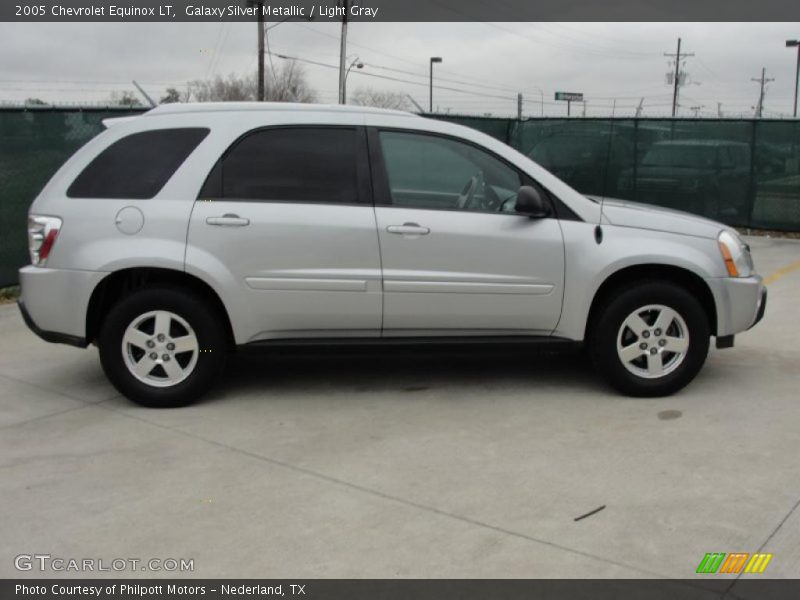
(42,234)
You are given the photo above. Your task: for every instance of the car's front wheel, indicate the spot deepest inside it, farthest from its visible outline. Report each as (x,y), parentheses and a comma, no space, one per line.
(651,339)
(162,347)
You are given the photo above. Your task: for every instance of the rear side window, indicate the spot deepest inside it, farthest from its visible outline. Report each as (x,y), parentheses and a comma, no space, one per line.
(137,166)
(289,164)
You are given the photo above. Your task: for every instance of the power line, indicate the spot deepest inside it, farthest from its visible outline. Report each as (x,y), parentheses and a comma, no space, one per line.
(389,78)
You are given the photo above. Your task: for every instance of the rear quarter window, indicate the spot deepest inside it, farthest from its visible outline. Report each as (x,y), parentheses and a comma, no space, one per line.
(137,166)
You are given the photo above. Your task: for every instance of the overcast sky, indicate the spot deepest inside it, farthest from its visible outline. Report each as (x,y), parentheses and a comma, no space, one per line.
(488,62)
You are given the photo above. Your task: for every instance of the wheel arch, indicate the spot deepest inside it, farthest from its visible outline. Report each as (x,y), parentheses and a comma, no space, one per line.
(115,285)
(649,272)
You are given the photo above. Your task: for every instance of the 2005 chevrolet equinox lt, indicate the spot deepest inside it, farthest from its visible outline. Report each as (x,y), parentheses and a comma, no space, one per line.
(174,237)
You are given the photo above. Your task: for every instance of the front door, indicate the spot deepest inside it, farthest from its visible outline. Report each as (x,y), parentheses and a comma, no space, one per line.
(457,258)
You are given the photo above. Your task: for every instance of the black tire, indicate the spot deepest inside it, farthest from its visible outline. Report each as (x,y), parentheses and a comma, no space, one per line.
(206,325)
(609,321)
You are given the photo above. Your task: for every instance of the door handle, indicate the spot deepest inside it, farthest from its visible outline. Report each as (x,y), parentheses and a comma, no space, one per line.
(228,220)
(408,229)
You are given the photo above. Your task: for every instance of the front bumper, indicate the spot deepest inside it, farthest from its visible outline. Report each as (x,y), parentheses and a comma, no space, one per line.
(762,307)
(740,303)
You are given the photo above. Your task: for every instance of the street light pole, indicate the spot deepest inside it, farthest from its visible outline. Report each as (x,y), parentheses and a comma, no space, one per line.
(434,59)
(357,65)
(792,44)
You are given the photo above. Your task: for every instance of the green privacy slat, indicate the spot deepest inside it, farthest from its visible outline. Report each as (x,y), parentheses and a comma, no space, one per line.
(740,172)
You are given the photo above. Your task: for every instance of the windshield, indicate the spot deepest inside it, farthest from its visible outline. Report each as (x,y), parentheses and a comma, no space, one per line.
(681,155)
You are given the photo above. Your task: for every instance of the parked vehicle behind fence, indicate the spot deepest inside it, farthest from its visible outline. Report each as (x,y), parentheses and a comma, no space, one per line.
(176,237)
(707,177)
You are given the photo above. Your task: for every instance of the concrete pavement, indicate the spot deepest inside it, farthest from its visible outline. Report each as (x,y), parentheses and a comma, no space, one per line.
(409,465)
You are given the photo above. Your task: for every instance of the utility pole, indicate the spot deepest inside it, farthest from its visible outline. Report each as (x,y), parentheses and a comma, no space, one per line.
(434,60)
(519,107)
(763,81)
(343,49)
(795,44)
(719,110)
(640,108)
(259,6)
(584,109)
(677,76)
(696,110)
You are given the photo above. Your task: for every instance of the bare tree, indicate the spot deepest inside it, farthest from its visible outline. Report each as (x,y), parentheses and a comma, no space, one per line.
(232,88)
(289,84)
(380,99)
(286,84)
(171,95)
(126,98)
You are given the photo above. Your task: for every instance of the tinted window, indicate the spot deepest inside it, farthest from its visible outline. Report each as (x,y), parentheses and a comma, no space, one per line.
(428,171)
(136,166)
(304,164)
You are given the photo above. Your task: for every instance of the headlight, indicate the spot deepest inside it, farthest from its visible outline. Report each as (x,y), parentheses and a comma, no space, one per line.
(735,254)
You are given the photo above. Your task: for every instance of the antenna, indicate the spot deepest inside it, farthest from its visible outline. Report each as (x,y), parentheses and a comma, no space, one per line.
(598,230)
(415,103)
(143,93)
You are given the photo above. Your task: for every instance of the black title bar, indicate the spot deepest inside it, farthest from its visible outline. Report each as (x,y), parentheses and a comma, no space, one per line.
(702,588)
(397,10)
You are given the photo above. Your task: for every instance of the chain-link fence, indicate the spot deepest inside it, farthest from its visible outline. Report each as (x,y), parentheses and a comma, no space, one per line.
(740,172)
(33,145)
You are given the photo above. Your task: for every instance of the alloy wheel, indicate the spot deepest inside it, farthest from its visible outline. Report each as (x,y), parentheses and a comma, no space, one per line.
(653,341)
(160,348)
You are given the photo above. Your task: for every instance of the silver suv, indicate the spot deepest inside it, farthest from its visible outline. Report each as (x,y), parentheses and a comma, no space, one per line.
(175,237)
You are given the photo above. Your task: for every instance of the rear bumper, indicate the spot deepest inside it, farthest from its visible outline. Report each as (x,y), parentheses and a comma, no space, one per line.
(50,336)
(54,302)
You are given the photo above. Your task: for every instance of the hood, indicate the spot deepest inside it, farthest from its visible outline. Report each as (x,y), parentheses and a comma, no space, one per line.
(647,216)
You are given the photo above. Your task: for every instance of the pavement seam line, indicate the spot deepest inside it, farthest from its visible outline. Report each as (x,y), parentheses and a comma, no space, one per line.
(729,591)
(58,392)
(390,497)
(47,416)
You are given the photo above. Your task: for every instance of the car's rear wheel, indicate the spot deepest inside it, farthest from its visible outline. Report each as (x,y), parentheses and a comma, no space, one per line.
(162,347)
(651,339)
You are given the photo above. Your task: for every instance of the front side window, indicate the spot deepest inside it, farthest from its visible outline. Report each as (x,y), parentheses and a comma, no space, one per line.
(289,164)
(138,165)
(434,172)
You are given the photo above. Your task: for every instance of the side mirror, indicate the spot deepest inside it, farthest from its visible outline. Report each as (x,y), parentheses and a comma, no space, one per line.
(531,203)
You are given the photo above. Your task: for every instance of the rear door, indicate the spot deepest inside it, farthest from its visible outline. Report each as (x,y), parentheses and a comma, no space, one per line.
(285,219)
(457,258)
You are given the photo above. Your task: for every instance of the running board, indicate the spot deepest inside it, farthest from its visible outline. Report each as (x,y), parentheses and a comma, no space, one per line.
(537,341)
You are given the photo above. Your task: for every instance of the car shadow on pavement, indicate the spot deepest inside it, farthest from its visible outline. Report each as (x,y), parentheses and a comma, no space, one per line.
(406,370)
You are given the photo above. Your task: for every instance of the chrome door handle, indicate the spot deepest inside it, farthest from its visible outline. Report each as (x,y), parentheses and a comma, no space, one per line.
(408,229)
(228,220)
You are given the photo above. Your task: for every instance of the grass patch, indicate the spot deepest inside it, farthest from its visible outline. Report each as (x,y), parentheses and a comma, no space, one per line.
(792,235)
(9,294)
